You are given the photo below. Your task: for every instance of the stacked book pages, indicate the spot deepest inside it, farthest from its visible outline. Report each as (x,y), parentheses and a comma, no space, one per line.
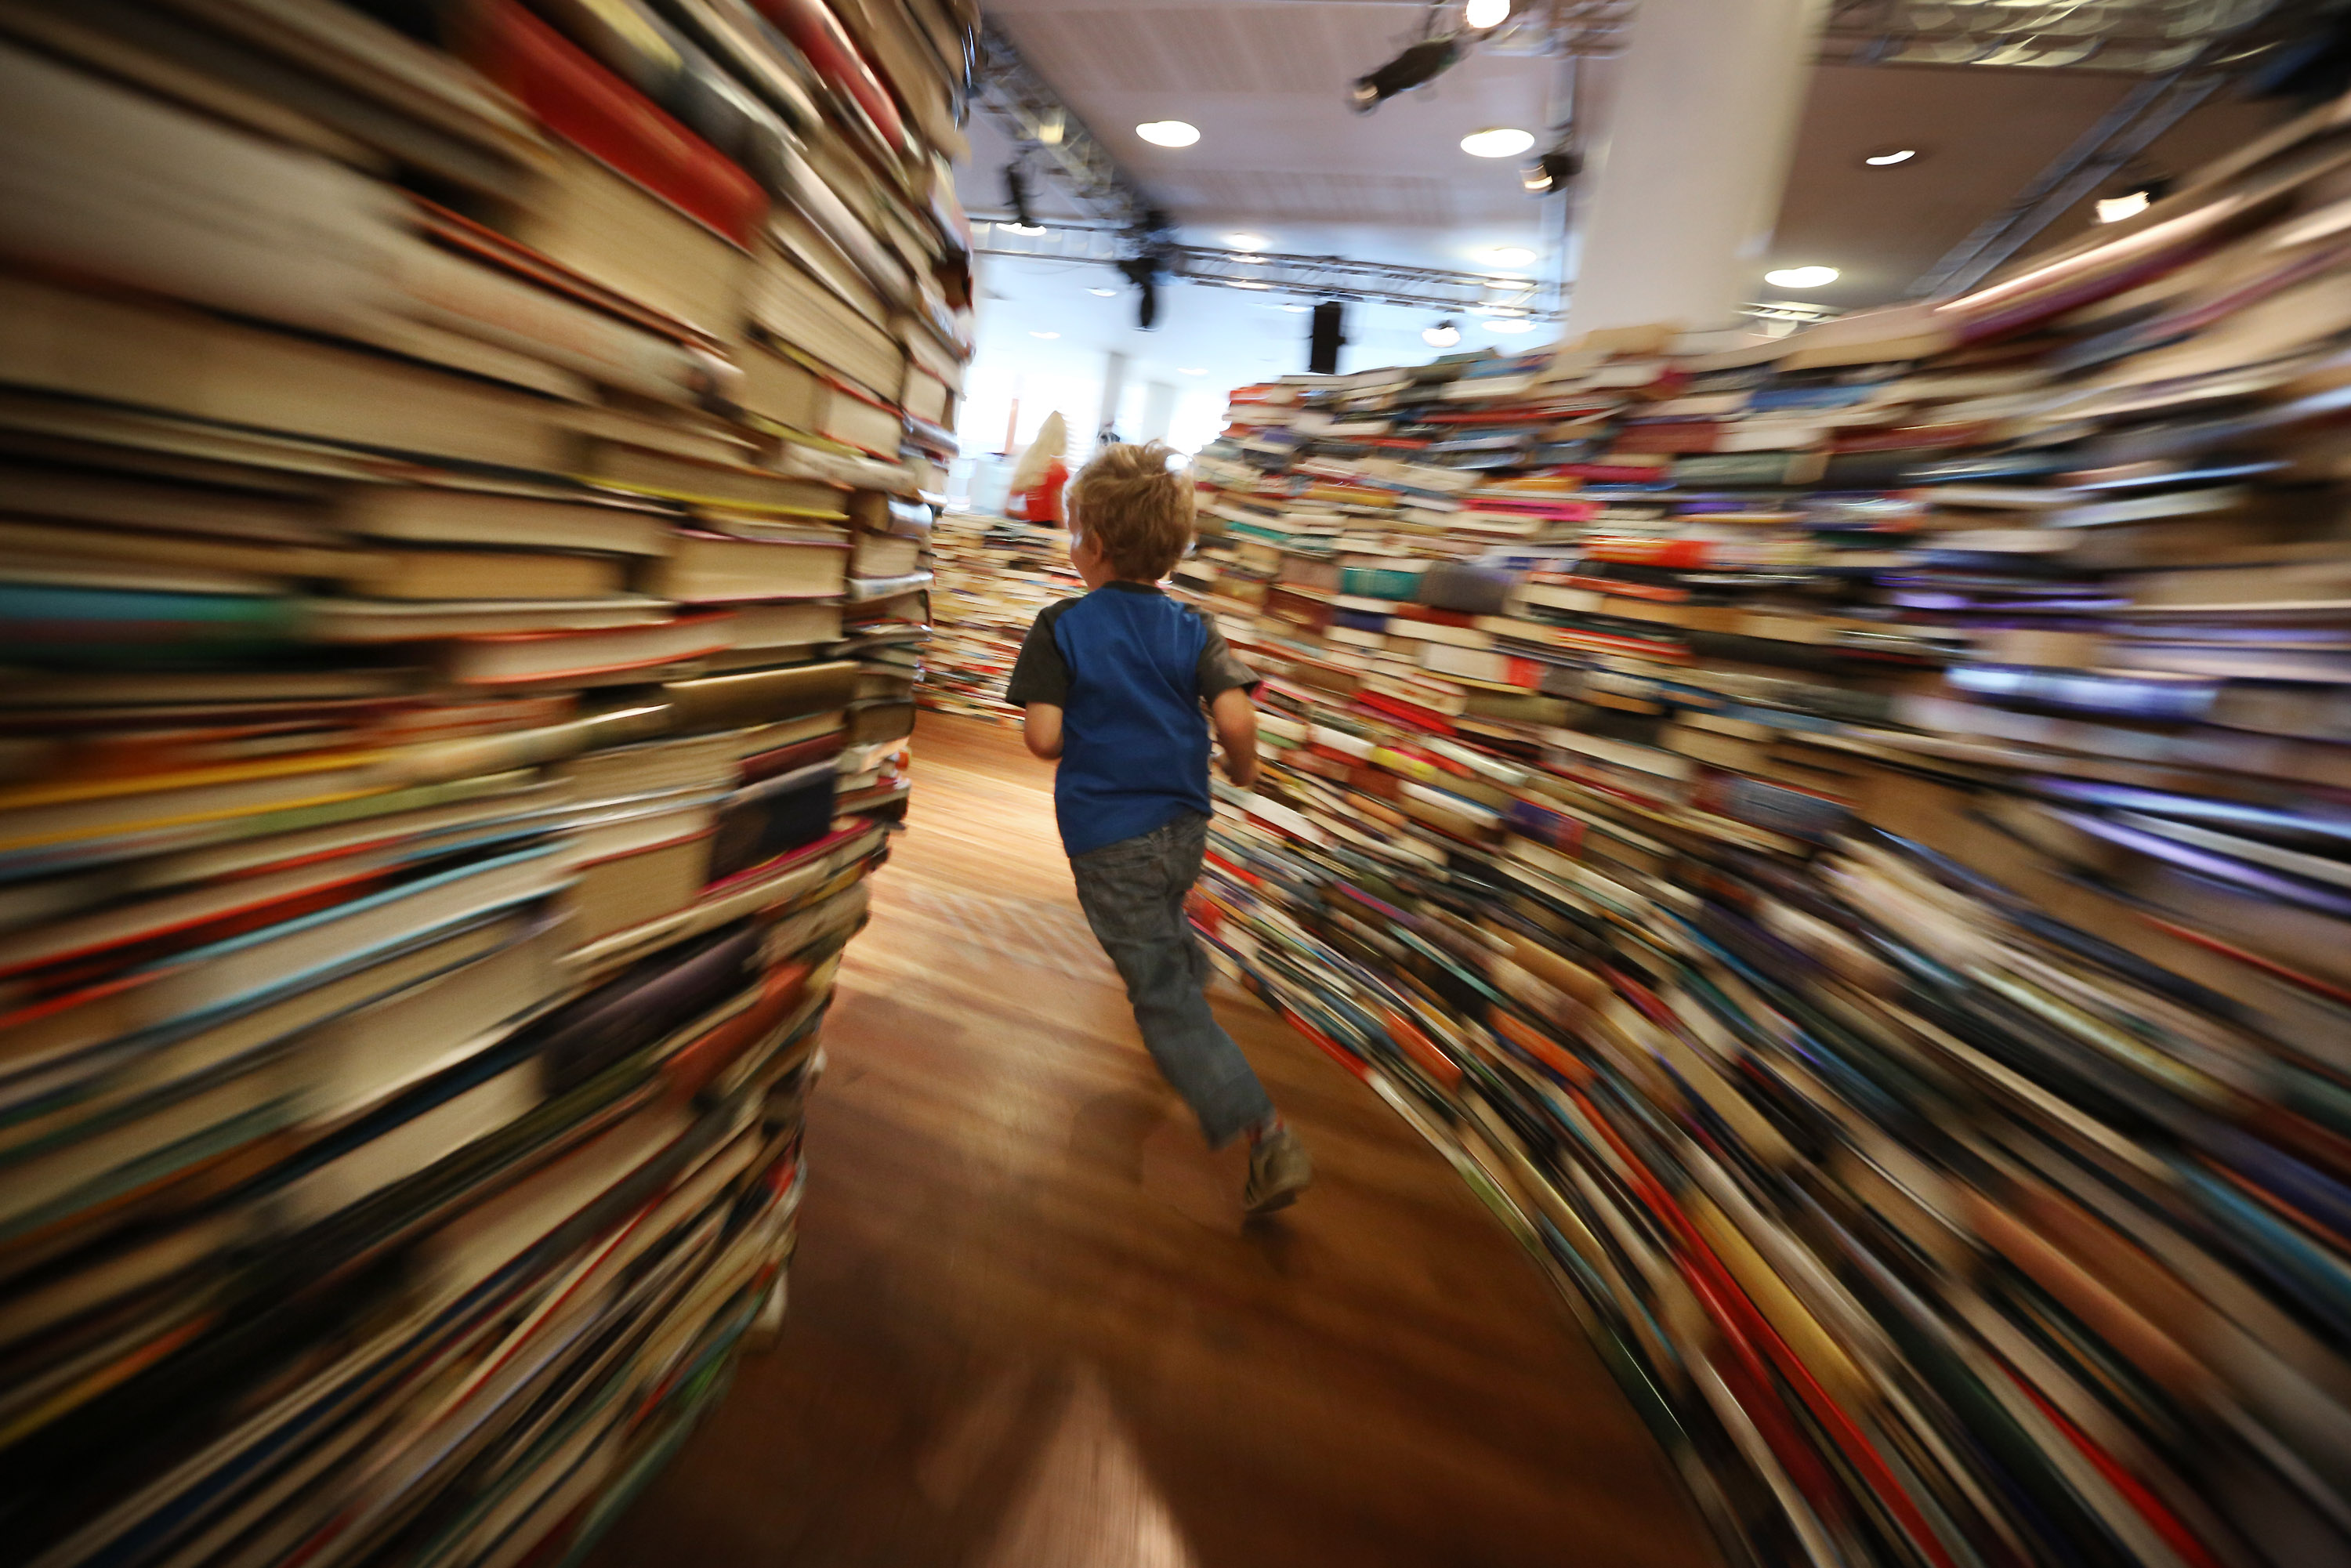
(1846,845)
(463,477)
(994,575)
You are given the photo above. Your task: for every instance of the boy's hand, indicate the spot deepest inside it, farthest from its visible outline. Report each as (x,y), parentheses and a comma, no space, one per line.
(1241,770)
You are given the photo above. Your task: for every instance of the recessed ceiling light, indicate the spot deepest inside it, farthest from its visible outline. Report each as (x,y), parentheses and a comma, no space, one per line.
(1497,141)
(1044,334)
(1191,369)
(2115,209)
(1024,228)
(1889,158)
(1481,14)
(1168,132)
(1510,324)
(1245,283)
(1294,307)
(1444,335)
(1247,241)
(1801,277)
(1507,256)
(1101,293)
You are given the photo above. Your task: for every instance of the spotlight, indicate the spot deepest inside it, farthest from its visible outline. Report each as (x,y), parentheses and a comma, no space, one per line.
(1422,63)
(1152,239)
(1551,172)
(1016,196)
(1444,335)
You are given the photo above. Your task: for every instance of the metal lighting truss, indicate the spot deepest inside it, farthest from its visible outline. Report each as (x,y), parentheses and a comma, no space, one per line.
(1316,277)
(2130,37)
(1034,115)
(1307,276)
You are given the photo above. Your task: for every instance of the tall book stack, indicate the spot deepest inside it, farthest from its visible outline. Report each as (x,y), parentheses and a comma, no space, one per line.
(995,575)
(460,631)
(1844,844)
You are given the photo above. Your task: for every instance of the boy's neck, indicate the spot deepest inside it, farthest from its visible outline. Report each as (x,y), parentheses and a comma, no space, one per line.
(1128,583)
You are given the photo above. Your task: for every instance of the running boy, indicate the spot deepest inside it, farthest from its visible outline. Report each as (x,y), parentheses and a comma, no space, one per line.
(1113,683)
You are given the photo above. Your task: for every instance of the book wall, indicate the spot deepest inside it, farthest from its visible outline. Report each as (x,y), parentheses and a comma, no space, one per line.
(995,574)
(468,473)
(1843,845)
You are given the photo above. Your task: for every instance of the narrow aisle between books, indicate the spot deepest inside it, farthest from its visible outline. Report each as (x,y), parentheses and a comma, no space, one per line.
(1028,1329)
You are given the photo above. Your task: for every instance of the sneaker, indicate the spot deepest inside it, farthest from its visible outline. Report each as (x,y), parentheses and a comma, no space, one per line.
(1279,1169)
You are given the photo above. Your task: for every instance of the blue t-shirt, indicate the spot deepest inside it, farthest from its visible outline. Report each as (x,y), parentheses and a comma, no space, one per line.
(1129,668)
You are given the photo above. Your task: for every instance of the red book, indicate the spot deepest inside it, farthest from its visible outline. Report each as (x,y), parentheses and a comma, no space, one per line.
(817,32)
(700,1061)
(609,120)
(1403,712)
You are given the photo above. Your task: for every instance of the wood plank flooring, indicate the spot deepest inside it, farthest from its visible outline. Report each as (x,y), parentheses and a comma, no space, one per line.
(1028,1328)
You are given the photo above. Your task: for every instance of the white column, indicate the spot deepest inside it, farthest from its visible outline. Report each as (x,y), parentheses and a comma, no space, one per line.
(1687,187)
(1158,410)
(1113,390)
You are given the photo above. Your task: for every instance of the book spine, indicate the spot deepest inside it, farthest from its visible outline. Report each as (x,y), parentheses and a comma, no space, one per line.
(603,116)
(465,296)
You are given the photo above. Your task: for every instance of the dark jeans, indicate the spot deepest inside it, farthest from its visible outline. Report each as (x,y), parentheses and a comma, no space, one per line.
(1133,894)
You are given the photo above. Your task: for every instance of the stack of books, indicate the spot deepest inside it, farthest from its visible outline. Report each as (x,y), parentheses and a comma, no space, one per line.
(1860,880)
(459,637)
(994,575)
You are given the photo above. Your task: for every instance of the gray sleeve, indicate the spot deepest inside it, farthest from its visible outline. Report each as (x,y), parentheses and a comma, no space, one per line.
(1220,671)
(1040,674)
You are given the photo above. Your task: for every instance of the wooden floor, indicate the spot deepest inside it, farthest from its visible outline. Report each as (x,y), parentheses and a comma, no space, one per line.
(1029,1330)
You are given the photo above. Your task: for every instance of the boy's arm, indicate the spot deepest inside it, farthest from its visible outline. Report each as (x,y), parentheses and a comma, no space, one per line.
(1235,718)
(1042,730)
(1041,683)
(1225,685)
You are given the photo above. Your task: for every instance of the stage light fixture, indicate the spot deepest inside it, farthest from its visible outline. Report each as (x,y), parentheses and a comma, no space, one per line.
(1016,196)
(1143,271)
(1421,64)
(1550,173)
(1444,335)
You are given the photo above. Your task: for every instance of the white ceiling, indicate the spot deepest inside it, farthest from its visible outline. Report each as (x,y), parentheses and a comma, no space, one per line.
(1282,156)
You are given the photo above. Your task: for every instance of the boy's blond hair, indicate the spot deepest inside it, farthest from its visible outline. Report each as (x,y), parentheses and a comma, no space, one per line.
(1138,515)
